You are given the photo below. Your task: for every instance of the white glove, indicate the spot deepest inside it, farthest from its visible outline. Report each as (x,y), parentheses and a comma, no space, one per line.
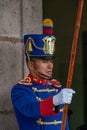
(64,96)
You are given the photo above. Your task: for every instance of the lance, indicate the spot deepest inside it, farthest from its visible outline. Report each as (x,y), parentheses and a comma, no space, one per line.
(72,58)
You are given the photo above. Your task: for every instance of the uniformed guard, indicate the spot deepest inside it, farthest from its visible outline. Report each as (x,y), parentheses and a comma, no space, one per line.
(38,99)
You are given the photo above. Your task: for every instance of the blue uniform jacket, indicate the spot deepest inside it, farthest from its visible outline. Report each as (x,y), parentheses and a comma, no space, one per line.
(32,102)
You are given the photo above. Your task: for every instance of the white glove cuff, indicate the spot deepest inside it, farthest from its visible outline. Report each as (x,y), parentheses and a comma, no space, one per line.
(55,100)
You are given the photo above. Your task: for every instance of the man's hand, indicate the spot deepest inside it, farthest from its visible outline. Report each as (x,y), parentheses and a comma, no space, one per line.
(64,96)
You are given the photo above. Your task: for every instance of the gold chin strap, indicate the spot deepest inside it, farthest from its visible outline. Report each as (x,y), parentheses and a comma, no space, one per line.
(29,60)
(36,70)
(40,74)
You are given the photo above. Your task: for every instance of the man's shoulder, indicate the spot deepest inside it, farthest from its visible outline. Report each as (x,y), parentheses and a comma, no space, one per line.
(26,81)
(55,83)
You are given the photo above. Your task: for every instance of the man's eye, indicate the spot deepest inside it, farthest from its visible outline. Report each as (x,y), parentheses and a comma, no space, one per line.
(51,61)
(44,61)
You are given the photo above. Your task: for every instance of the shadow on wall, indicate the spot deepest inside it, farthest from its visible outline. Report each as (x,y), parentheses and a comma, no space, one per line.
(82,127)
(84,51)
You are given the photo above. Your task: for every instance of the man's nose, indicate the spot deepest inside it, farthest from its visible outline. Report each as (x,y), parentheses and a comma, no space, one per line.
(50,64)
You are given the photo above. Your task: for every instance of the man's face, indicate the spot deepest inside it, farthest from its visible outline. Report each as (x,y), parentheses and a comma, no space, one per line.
(42,68)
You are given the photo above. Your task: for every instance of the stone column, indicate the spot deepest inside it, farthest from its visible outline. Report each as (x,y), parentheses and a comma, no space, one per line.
(17,17)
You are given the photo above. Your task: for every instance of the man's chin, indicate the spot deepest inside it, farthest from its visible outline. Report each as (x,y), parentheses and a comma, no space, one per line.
(44,75)
(48,77)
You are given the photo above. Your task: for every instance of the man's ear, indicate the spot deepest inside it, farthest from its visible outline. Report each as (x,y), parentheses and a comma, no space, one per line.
(30,65)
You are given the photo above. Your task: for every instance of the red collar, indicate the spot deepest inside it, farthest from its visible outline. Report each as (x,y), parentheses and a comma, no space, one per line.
(38,80)
(53,82)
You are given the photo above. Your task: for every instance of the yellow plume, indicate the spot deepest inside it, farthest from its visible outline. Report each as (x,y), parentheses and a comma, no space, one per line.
(47,22)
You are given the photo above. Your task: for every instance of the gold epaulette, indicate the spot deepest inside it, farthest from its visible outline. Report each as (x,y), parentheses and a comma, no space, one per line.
(26,81)
(55,83)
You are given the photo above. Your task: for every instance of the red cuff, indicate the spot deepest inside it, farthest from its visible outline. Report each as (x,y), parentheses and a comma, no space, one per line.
(46,107)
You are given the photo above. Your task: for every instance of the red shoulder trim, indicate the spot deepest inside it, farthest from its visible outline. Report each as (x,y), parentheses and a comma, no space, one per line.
(26,81)
(55,83)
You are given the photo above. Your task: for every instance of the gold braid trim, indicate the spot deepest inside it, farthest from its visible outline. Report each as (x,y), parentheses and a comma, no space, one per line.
(39,122)
(39,99)
(44,90)
(61,110)
(23,82)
